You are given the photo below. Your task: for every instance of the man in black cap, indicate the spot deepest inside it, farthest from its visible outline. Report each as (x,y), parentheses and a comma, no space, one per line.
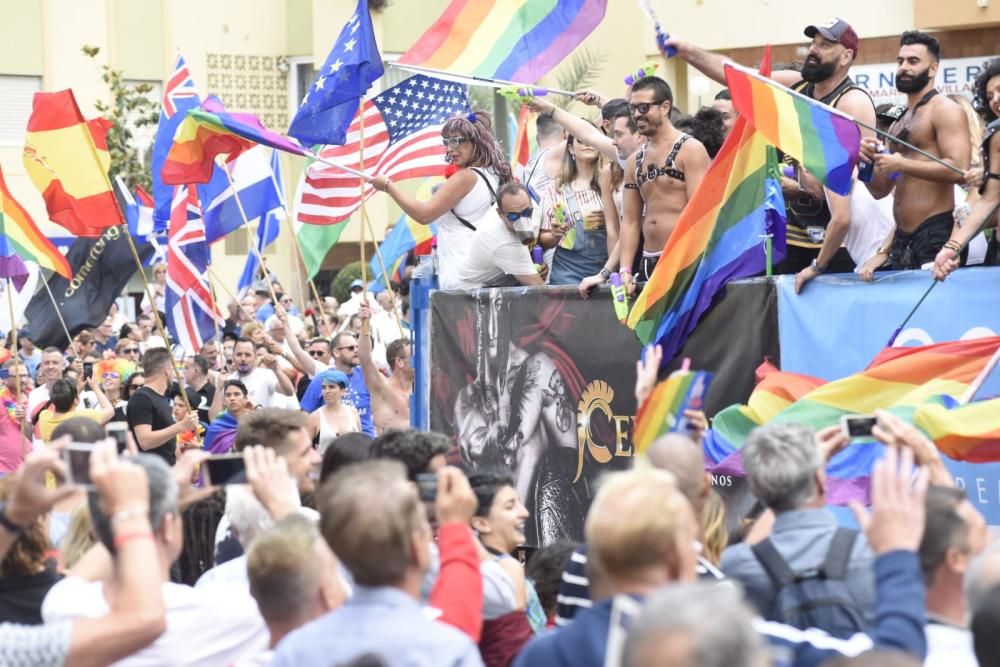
(817,218)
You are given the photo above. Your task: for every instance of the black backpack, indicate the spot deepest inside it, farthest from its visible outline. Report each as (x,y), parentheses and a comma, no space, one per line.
(815,598)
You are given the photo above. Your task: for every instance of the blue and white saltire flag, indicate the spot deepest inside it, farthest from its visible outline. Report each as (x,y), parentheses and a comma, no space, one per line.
(142,227)
(191,311)
(269,227)
(332,101)
(255,183)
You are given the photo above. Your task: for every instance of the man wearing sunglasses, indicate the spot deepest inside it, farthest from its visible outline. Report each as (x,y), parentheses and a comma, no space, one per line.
(659,180)
(498,255)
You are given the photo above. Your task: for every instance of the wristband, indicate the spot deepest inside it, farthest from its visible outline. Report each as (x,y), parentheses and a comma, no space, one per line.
(9,525)
(132,513)
(604,273)
(128,537)
(625,269)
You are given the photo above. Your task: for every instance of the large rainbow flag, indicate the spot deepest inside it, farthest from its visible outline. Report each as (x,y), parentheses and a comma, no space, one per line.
(919,384)
(516,40)
(822,139)
(203,135)
(25,237)
(719,237)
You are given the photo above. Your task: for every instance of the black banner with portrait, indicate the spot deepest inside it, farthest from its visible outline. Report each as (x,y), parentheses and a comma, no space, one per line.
(541,383)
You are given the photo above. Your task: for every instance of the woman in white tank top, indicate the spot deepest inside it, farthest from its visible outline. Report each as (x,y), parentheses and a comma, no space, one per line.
(333,418)
(466,198)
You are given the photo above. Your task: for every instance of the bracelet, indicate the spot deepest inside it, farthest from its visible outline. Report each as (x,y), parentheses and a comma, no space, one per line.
(388,182)
(604,273)
(132,513)
(952,244)
(9,525)
(128,537)
(625,269)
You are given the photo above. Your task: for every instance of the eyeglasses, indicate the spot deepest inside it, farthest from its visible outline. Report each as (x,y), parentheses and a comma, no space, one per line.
(452,142)
(133,387)
(514,216)
(352,348)
(319,353)
(130,350)
(110,375)
(643,107)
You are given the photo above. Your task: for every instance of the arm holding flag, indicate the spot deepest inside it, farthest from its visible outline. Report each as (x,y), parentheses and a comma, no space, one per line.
(582,130)
(712,65)
(443,200)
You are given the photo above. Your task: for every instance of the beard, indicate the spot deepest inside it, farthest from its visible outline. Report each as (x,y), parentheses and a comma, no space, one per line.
(815,71)
(913,84)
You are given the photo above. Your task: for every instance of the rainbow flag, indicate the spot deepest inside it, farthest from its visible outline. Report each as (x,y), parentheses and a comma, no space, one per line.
(918,384)
(25,238)
(200,137)
(246,125)
(821,138)
(663,411)
(407,234)
(66,157)
(517,40)
(521,146)
(719,237)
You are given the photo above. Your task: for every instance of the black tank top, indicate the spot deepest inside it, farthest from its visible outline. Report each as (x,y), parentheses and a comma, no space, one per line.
(807,215)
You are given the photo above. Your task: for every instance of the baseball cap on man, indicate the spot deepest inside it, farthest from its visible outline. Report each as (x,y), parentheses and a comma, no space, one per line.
(836,30)
(357,284)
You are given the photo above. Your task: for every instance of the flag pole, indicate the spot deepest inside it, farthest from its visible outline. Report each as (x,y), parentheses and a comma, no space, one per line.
(215,320)
(768,253)
(246,221)
(55,307)
(305,271)
(365,328)
(388,285)
(225,289)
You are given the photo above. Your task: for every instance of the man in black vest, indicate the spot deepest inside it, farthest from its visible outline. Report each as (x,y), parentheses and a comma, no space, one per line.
(924,190)
(817,218)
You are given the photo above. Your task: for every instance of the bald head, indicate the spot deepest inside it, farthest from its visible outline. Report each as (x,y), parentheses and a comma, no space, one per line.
(982,577)
(682,457)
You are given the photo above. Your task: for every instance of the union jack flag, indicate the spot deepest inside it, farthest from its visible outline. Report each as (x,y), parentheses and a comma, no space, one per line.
(179,95)
(191,312)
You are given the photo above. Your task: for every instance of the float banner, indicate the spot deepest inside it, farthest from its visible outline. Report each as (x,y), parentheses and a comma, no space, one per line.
(540,383)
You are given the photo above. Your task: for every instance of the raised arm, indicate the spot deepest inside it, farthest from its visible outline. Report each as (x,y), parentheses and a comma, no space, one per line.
(581,129)
(300,358)
(711,64)
(373,378)
(107,410)
(442,201)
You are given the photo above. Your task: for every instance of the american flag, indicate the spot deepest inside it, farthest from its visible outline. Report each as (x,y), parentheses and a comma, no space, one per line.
(191,312)
(402,140)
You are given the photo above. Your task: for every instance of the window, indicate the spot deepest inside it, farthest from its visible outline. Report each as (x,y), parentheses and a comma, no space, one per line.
(16,93)
(302,76)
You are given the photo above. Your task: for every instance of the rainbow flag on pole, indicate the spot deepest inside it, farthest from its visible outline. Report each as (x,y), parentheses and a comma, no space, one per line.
(663,411)
(719,237)
(821,138)
(919,384)
(517,40)
(25,238)
(200,137)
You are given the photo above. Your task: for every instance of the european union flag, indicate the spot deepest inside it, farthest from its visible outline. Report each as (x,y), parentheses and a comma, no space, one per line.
(349,70)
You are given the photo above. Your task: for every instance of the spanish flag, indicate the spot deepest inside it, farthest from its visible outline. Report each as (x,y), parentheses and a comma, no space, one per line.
(67,159)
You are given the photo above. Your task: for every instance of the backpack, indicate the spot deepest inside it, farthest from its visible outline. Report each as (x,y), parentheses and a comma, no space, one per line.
(815,598)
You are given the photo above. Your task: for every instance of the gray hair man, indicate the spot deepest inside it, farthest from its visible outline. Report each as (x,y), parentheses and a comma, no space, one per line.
(202,629)
(785,466)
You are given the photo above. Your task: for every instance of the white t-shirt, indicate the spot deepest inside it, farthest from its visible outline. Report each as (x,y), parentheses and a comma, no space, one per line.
(454,238)
(948,646)
(871,223)
(495,252)
(262,385)
(202,628)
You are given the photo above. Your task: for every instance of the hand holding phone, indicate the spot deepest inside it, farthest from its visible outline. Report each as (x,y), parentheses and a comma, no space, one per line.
(858,426)
(225,469)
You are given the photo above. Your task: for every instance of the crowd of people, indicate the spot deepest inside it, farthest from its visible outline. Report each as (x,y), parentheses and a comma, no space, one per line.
(345,537)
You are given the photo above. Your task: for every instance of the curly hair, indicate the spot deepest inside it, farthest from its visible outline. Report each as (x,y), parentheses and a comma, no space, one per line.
(413,448)
(991,68)
(28,554)
(486,152)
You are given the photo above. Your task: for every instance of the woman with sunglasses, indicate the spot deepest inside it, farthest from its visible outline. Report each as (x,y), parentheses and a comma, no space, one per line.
(113,374)
(573,216)
(466,197)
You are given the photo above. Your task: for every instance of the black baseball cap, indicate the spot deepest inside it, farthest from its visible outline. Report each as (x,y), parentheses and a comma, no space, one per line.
(836,30)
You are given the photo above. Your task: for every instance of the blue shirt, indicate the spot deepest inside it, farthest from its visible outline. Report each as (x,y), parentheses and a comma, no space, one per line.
(357,396)
(265,311)
(384,621)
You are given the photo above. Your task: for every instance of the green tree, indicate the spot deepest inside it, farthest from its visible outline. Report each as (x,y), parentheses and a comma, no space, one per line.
(341,286)
(130,108)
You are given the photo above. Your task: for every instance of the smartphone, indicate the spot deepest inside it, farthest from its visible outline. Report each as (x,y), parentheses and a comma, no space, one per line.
(225,469)
(427,483)
(77,459)
(118,431)
(858,426)
(88,370)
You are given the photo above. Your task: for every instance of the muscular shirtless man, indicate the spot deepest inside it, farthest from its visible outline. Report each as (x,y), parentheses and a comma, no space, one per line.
(924,190)
(659,179)
(390,395)
(818,219)
(517,416)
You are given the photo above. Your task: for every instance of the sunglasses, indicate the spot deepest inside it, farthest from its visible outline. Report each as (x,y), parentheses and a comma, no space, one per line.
(643,107)
(453,142)
(110,375)
(514,216)
(133,387)
(130,350)
(348,347)
(319,353)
